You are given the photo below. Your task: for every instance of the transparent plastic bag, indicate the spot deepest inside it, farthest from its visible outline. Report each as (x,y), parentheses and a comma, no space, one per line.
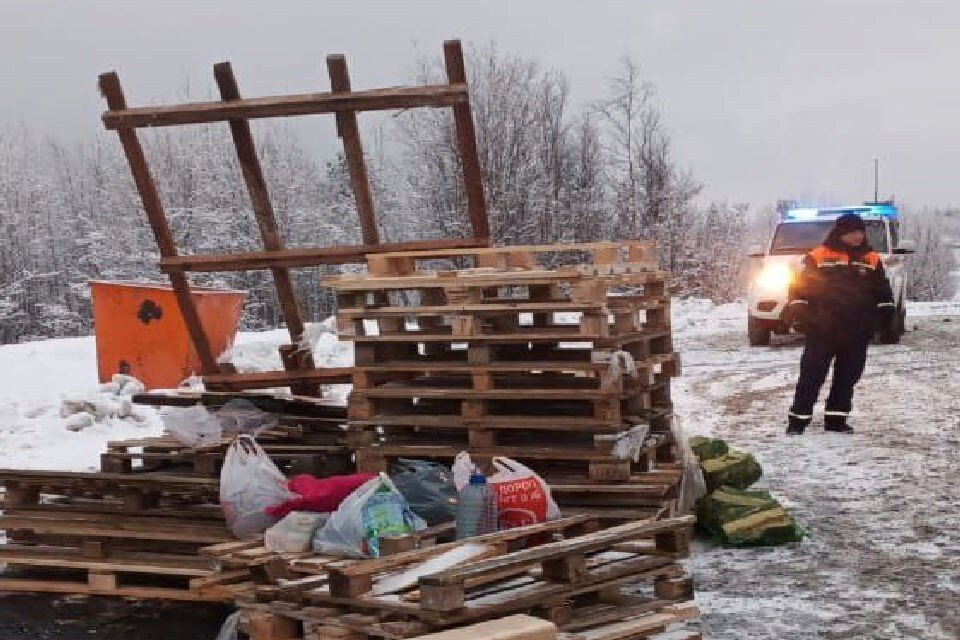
(373,510)
(241,416)
(692,485)
(249,483)
(294,532)
(193,426)
(428,488)
(229,629)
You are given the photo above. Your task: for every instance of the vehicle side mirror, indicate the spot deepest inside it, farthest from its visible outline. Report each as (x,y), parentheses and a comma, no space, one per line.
(905,248)
(756,251)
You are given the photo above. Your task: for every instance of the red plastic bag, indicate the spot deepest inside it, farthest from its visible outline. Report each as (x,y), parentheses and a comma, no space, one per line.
(320,495)
(522,496)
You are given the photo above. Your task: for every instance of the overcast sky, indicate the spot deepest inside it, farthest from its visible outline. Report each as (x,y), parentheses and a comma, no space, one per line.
(764,98)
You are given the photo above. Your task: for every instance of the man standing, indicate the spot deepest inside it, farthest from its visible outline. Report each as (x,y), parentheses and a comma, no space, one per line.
(838,300)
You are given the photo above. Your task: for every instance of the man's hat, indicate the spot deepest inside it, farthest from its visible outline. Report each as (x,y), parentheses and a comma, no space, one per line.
(849,222)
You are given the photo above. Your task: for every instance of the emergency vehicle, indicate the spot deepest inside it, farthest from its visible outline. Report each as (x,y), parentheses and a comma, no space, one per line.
(804,228)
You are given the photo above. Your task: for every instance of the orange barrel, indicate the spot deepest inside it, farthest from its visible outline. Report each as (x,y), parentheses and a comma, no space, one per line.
(140,330)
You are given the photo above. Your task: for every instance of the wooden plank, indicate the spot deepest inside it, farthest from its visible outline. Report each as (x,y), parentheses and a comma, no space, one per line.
(153,206)
(296,258)
(349,133)
(516,627)
(487,279)
(262,207)
(66,559)
(446,95)
(51,586)
(583,544)
(522,248)
(272,379)
(467,142)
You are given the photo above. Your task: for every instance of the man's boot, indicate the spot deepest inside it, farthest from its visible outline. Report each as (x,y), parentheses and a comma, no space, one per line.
(837,424)
(796,426)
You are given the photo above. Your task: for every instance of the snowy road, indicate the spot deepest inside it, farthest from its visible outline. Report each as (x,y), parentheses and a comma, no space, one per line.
(883,556)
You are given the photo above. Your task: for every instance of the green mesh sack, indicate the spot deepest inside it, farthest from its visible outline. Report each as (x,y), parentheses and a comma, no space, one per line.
(737,469)
(708,448)
(746,519)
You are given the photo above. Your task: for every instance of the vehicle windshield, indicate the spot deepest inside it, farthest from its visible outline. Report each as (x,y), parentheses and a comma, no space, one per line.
(801,237)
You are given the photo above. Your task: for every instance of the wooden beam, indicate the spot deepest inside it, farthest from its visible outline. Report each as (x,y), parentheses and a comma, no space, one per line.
(260,199)
(281,106)
(296,258)
(113,92)
(349,132)
(467,142)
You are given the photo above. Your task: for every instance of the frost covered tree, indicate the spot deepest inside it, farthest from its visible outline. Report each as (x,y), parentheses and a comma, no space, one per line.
(652,197)
(931,271)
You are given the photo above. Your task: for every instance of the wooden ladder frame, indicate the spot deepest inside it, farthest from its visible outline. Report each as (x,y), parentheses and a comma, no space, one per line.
(301,373)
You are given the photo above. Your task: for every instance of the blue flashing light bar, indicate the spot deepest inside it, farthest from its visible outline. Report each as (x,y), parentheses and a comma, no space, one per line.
(869,210)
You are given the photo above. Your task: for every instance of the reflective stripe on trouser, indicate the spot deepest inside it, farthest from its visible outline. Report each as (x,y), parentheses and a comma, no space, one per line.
(848,358)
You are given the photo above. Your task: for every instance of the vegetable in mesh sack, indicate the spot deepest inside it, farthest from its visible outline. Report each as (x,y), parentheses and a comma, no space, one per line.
(376,509)
(428,488)
(708,448)
(250,483)
(737,469)
(746,518)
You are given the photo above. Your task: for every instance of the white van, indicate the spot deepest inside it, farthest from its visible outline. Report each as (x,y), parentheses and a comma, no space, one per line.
(803,229)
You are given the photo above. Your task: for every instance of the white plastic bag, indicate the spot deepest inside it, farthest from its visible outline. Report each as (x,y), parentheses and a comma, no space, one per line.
(193,426)
(375,509)
(692,485)
(249,483)
(242,416)
(294,532)
(523,497)
(229,629)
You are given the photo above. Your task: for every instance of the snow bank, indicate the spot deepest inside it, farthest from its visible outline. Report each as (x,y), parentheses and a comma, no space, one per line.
(55,415)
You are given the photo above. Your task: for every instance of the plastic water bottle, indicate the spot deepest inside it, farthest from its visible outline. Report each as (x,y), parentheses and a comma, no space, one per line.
(476,508)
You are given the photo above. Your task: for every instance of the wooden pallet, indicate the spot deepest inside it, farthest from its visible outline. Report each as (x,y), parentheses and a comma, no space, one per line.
(134,456)
(135,492)
(574,581)
(592,258)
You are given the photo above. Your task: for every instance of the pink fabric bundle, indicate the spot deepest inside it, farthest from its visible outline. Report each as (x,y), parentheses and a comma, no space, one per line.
(323,495)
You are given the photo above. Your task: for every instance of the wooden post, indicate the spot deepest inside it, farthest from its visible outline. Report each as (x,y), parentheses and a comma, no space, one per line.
(113,92)
(349,132)
(260,199)
(467,143)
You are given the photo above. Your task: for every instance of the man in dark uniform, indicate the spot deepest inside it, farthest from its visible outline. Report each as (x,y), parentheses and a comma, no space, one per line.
(839,299)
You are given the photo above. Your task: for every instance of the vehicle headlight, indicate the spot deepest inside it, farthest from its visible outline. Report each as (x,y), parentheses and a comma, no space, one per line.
(774,277)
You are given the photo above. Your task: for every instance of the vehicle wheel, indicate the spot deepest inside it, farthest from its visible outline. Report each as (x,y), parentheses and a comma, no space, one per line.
(757,334)
(898,326)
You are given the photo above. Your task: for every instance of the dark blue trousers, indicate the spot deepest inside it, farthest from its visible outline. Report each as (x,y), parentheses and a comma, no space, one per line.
(848,356)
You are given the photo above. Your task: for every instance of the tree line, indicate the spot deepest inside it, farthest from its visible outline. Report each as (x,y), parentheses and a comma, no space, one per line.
(552,173)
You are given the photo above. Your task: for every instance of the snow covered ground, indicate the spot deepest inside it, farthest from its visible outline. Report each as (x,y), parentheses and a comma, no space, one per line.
(883,556)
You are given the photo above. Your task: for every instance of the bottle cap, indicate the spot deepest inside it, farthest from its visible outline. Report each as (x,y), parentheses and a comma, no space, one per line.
(478,478)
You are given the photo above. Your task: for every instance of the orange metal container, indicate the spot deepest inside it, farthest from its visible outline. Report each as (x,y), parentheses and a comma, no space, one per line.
(140,331)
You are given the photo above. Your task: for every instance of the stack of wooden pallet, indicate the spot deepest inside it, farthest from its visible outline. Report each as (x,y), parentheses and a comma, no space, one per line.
(109,534)
(135,527)
(620,582)
(565,368)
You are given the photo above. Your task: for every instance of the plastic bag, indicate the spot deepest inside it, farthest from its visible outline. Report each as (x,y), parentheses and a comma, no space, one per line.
(294,532)
(193,426)
(428,488)
(229,629)
(249,483)
(522,496)
(692,484)
(321,495)
(242,416)
(374,510)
